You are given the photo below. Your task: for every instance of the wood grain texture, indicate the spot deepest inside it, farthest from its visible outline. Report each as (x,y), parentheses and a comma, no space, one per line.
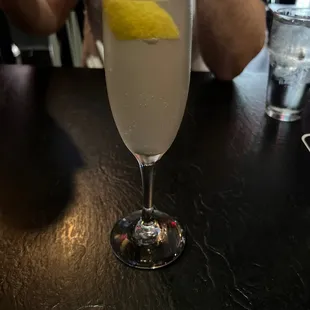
(238,180)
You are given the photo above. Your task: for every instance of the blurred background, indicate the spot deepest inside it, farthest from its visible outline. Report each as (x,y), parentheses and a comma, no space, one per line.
(64,48)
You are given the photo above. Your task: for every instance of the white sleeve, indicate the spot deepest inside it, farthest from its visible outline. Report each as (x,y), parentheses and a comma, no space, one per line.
(197,61)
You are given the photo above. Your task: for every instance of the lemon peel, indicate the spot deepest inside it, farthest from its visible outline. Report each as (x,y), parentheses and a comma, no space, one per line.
(139,20)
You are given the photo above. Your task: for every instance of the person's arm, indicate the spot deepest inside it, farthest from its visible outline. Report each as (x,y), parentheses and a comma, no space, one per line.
(230,34)
(38,16)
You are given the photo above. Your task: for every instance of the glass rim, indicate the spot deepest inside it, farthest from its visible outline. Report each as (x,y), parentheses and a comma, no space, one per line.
(281,14)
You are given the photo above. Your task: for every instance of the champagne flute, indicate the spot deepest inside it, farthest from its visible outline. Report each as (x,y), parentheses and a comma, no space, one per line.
(147,82)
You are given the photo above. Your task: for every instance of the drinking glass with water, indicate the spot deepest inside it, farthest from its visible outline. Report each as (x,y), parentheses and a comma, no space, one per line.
(289,74)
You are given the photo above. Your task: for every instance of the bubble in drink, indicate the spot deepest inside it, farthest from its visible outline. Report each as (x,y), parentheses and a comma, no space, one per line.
(301,55)
(151,41)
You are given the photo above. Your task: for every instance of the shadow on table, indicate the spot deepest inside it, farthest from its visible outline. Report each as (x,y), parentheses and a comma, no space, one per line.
(37,158)
(210,105)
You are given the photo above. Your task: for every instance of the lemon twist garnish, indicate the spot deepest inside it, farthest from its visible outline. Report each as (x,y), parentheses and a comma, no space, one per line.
(139,20)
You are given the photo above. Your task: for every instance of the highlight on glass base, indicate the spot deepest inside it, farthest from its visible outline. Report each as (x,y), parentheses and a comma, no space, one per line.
(149,245)
(284,115)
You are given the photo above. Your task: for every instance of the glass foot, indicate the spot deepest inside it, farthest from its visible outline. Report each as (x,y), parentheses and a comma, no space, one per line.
(285,115)
(147,246)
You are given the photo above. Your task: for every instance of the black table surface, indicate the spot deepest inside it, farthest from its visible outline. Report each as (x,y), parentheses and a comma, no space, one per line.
(238,180)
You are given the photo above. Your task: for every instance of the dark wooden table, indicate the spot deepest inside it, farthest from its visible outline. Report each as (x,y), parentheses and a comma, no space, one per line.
(238,180)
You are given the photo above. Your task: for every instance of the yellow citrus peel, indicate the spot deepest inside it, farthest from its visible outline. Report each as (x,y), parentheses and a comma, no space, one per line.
(139,20)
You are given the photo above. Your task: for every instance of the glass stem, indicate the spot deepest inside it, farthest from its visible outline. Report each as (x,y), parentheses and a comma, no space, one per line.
(147,175)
